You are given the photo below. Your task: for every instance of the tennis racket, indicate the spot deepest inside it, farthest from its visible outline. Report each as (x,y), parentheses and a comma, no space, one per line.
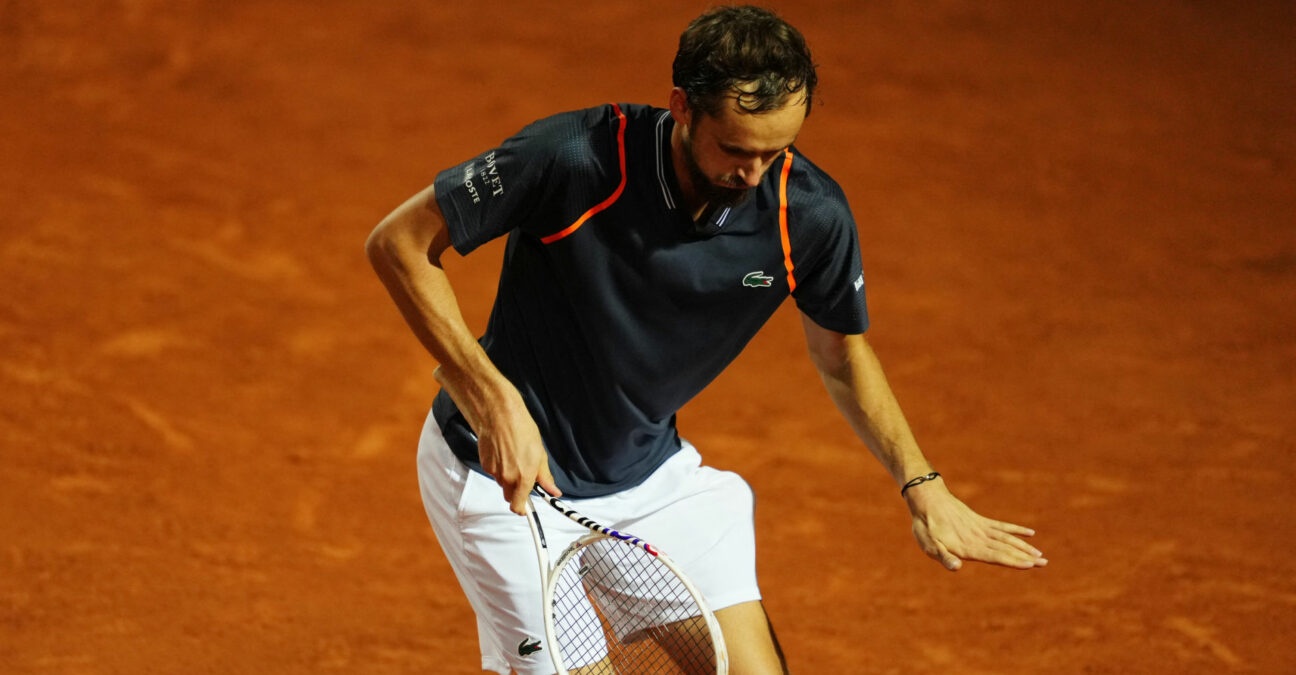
(615,604)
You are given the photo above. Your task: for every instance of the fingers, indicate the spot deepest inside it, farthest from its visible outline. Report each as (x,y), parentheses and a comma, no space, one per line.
(518,495)
(987,542)
(1009,534)
(1012,529)
(935,549)
(517,468)
(948,560)
(546,481)
(521,491)
(1024,548)
(951,533)
(1017,559)
(515,484)
(1010,551)
(518,492)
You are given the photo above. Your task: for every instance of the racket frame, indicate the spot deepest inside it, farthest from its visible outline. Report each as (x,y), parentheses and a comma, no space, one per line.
(549,577)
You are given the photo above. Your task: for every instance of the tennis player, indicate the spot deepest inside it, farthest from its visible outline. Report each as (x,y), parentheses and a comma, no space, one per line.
(645,247)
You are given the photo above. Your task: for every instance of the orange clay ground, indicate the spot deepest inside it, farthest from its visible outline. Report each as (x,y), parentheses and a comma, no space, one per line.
(1079,231)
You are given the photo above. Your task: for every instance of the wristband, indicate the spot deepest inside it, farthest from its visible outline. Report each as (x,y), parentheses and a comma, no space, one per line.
(918,481)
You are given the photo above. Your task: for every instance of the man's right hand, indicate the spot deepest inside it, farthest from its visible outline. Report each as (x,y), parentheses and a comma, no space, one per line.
(511,450)
(509,445)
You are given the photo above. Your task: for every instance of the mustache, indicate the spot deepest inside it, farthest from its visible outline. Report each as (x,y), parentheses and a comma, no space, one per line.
(729,191)
(722,195)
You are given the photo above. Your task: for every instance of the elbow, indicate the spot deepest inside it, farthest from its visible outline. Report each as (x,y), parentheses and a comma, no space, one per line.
(380,248)
(405,237)
(835,367)
(374,245)
(832,354)
(829,354)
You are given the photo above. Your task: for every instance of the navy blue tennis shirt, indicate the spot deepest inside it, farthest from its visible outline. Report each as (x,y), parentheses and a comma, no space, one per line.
(614,308)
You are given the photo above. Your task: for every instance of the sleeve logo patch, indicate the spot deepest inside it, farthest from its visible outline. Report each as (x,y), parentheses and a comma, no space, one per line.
(859,283)
(758,279)
(487,179)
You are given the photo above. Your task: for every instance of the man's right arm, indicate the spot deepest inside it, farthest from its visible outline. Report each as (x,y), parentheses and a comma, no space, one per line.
(405,250)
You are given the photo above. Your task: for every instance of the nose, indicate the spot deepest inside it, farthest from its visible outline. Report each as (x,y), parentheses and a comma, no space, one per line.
(750,172)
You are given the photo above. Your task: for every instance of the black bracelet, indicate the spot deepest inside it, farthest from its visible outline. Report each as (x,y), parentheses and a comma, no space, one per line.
(918,481)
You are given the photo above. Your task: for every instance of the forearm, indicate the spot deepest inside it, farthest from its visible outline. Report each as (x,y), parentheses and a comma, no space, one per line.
(864,397)
(946,529)
(405,250)
(855,381)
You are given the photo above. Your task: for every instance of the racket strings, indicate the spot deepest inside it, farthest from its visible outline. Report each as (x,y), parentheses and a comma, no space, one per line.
(619,609)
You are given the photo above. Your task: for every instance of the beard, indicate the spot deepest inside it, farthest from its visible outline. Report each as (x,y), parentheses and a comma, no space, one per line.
(713,194)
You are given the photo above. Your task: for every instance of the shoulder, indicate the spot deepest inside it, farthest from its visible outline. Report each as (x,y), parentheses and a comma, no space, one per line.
(582,141)
(810,187)
(577,122)
(817,209)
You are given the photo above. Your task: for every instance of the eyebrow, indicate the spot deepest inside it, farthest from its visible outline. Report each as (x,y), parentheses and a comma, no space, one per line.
(738,150)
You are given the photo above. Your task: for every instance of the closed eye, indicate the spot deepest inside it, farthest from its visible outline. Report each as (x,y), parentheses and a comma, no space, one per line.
(740,153)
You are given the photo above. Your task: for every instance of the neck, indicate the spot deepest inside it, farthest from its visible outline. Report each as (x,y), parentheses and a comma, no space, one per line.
(694,204)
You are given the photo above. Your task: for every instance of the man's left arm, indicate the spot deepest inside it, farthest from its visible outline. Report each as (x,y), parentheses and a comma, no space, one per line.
(946,528)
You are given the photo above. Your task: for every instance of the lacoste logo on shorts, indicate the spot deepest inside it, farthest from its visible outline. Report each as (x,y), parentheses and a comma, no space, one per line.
(757,279)
(528,646)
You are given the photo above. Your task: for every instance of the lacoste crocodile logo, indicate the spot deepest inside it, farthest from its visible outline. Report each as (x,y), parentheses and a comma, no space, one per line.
(527,647)
(758,279)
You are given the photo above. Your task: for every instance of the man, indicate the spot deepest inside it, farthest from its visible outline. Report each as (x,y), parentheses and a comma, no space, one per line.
(645,248)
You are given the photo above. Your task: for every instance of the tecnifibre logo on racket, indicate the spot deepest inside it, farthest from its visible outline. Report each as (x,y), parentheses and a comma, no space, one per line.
(529,646)
(758,279)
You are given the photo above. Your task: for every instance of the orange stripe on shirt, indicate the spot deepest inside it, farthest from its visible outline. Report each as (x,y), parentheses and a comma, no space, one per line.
(783,219)
(606,202)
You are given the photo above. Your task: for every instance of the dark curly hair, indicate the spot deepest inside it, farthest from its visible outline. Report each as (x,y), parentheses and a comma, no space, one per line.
(744,52)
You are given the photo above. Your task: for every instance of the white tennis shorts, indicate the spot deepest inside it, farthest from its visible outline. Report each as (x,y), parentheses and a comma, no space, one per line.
(701,517)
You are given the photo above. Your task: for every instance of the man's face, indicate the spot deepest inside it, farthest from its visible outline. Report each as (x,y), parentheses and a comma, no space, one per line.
(726,155)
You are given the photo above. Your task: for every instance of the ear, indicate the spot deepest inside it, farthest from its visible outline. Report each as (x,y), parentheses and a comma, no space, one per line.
(679,107)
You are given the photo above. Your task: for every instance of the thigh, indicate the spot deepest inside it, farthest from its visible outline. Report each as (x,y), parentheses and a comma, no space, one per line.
(703,519)
(749,635)
(491,552)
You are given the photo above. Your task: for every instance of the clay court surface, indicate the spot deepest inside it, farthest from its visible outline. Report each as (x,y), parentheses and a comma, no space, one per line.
(1079,229)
